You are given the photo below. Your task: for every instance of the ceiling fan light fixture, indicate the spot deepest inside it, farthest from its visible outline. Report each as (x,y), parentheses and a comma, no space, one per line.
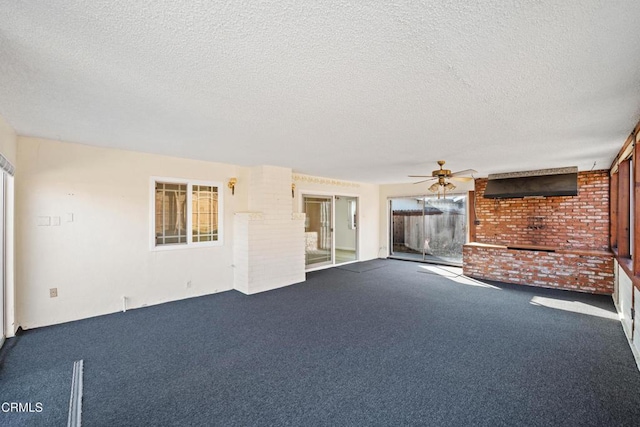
(442,175)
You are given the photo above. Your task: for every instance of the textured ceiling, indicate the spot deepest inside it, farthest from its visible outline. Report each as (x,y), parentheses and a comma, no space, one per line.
(366,91)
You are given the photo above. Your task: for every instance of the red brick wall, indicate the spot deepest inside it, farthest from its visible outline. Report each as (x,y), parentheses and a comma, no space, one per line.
(576,227)
(580,222)
(582,272)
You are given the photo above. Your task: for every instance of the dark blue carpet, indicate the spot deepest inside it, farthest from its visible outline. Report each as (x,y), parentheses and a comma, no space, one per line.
(389,346)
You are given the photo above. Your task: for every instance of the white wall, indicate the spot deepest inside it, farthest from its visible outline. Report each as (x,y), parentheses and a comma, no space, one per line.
(405,190)
(625,294)
(625,297)
(368,201)
(635,344)
(8,143)
(104,253)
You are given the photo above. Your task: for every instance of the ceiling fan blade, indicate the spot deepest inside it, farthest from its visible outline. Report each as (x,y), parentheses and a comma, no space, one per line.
(424,180)
(464,172)
(420,176)
(461,178)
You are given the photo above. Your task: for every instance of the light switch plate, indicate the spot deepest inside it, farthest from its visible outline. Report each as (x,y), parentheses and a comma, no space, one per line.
(44,221)
(55,220)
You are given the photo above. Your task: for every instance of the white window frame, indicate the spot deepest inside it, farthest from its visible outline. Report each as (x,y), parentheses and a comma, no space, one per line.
(188,206)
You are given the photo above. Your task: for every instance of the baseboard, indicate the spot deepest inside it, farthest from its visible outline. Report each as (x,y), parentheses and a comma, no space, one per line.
(271,286)
(634,350)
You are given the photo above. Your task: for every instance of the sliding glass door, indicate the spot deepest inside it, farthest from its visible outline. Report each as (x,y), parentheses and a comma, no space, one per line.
(318,230)
(346,237)
(330,230)
(428,228)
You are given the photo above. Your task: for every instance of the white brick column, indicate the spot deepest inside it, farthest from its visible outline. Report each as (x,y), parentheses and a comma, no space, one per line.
(269,240)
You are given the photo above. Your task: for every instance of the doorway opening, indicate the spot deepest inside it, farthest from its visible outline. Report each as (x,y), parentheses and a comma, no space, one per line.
(428,228)
(331,230)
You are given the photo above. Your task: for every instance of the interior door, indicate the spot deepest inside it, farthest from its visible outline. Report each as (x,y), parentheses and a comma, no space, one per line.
(318,230)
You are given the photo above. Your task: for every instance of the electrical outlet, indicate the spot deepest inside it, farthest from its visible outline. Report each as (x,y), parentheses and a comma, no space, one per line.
(53,292)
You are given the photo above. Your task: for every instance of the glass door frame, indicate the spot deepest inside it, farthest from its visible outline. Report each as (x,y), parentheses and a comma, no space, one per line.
(304,193)
(319,238)
(390,228)
(3,256)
